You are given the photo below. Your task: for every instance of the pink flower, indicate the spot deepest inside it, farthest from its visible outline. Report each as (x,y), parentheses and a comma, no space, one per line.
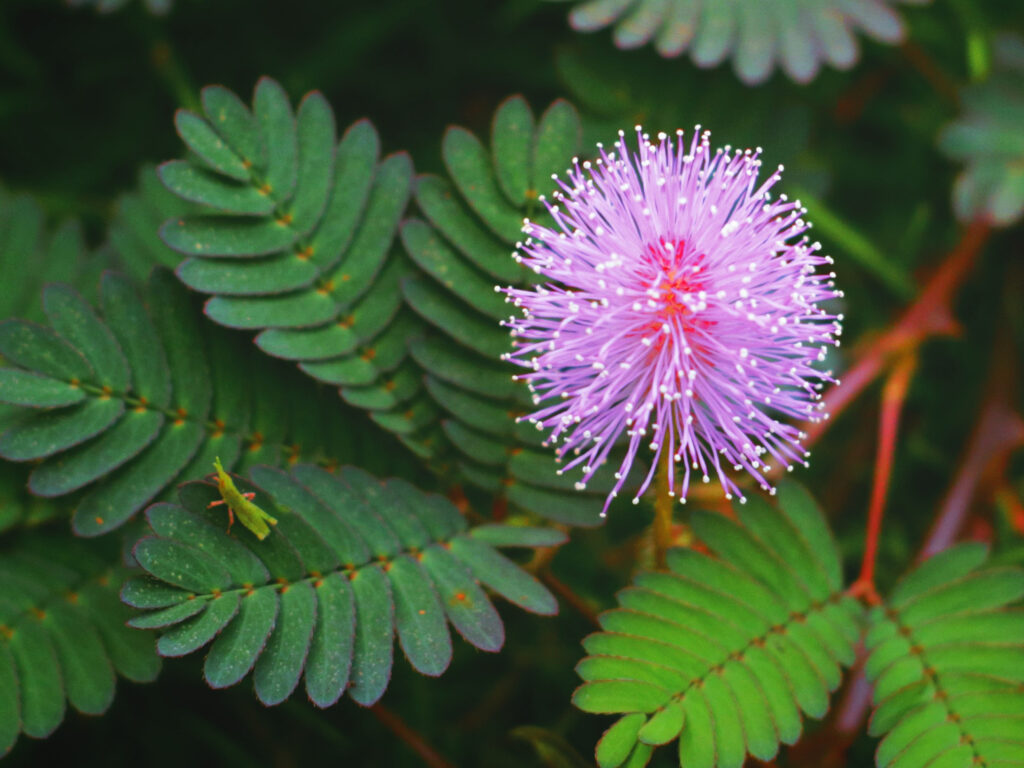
(682,311)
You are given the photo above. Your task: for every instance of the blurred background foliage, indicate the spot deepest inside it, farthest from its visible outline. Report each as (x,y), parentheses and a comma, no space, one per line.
(87,98)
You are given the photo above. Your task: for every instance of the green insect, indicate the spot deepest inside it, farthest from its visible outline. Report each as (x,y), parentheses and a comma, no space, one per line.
(238,503)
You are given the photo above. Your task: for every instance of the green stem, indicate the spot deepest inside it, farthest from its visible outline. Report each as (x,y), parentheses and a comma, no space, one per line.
(663,512)
(171,72)
(977,35)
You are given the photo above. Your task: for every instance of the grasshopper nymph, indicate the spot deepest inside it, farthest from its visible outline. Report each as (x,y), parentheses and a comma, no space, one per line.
(238,503)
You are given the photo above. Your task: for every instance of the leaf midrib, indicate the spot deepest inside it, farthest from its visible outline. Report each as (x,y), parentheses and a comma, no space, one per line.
(932,675)
(70,595)
(348,570)
(179,415)
(759,641)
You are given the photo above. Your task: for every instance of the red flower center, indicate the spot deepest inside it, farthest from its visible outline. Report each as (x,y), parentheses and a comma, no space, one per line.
(677,278)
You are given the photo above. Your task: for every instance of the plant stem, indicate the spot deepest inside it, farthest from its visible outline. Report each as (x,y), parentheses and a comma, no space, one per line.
(171,72)
(893,397)
(413,740)
(999,430)
(663,502)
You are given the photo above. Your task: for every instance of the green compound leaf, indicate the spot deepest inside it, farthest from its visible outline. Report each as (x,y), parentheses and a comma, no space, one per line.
(118,405)
(797,36)
(138,216)
(464,248)
(352,564)
(19,508)
(289,229)
(32,254)
(946,656)
(722,652)
(63,637)
(987,139)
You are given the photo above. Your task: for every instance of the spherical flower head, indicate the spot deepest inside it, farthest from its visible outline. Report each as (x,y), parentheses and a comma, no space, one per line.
(681,315)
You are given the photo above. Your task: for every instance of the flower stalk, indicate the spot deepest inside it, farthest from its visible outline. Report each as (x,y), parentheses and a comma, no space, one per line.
(663,504)
(893,397)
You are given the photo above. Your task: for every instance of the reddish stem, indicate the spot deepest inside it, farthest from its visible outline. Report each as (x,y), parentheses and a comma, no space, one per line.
(412,739)
(893,397)
(458,497)
(1010,502)
(826,747)
(855,705)
(999,431)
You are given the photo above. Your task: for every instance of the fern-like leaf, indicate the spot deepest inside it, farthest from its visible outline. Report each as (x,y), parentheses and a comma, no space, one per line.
(18,507)
(63,634)
(32,254)
(946,656)
(799,36)
(987,138)
(723,651)
(351,563)
(120,406)
(293,237)
(464,248)
(138,217)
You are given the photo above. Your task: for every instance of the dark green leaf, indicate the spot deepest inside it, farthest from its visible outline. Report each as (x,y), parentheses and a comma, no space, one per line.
(204,141)
(73,318)
(332,646)
(238,646)
(199,185)
(277,127)
(85,464)
(488,252)
(503,576)
(127,318)
(30,389)
(87,671)
(469,166)
(511,143)
(117,499)
(36,435)
(40,349)
(468,608)
(316,162)
(226,236)
(280,666)
(558,141)
(375,628)
(235,124)
(422,629)
(194,634)
(439,261)
(253,277)
(181,565)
